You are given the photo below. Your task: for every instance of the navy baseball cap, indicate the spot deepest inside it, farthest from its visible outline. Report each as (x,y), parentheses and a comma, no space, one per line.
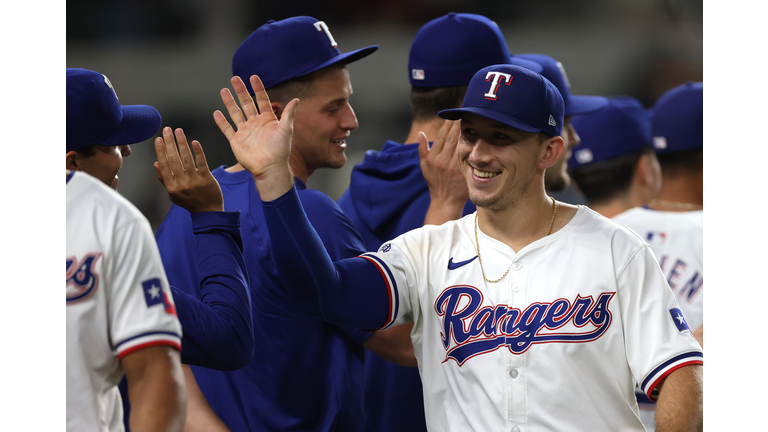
(447,51)
(678,119)
(554,72)
(293,47)
(95,116)
(621,128)
(514,96)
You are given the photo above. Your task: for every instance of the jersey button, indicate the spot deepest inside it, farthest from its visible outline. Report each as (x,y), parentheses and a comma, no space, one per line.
(515,429)
(515,287)
(517,266)
(513,373)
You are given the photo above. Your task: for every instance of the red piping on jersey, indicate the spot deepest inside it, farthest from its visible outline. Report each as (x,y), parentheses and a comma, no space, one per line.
(389,292)
(149,344)
(662,377)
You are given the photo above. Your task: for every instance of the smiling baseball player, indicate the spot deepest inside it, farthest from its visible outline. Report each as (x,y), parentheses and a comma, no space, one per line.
(529,315)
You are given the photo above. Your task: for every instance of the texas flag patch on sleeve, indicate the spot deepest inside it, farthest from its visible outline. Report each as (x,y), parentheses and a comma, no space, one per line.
(679,320)
(154,294)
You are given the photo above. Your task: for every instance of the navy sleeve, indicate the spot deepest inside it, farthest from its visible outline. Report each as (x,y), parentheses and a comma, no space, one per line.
(217,327)
(349,292)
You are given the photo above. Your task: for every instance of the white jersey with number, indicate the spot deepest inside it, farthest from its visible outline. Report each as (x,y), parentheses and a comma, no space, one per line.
(558,344)
(677,240)
(118,300)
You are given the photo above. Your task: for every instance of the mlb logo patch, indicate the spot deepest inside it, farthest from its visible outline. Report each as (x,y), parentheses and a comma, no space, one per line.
(417,74)
(153,291)
(679,320)
(386,248)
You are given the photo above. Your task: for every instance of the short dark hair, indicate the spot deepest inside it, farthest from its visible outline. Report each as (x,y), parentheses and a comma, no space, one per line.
(87,151)
(691,160)
(603,181)
(426,102)
(299,87)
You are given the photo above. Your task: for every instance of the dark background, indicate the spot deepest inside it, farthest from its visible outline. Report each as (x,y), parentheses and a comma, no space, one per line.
(176,55)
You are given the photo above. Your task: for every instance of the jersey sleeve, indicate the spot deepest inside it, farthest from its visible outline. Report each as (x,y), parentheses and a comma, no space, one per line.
(658,340)
(142,312)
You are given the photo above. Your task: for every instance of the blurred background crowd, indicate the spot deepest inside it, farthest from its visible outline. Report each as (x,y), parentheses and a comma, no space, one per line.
(176,55)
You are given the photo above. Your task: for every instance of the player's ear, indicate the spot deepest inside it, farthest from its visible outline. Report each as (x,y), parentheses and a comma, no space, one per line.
(551,150)
(72,161)
(277,108)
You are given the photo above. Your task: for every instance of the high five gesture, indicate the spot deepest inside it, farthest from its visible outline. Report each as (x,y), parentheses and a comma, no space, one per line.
(261,142)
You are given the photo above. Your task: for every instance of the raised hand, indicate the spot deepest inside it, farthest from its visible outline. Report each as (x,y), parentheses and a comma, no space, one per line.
(191,187)
(261,143)
(440,167)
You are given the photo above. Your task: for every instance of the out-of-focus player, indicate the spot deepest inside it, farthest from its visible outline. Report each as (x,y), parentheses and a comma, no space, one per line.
(217,331)
(306,373)
(615,166)
(527,308)
(673,224)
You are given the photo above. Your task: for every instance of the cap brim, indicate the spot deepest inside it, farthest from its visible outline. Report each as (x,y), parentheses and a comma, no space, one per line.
(140,122)
(528,64)
(579,105)
(508,120)
(345,58)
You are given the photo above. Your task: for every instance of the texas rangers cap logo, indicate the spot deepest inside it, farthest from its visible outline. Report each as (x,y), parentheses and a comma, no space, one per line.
(323,28)
(496,79)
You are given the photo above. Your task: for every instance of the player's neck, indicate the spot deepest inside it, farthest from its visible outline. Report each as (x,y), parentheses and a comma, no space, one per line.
(525,222)
(430,128)
(634,197)
(681,190)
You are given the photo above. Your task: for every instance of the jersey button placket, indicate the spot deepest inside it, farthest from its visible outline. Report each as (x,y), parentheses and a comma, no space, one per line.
(516,362)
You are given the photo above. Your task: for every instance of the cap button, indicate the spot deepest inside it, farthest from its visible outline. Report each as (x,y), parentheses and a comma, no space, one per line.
(452,14)
(270,21)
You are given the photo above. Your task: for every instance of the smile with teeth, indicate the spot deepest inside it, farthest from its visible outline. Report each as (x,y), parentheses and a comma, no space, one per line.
(484,174)
(340,142)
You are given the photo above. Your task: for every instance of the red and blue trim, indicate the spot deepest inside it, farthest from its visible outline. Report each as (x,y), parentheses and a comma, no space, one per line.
(389,281)
(144,340)
(653,379)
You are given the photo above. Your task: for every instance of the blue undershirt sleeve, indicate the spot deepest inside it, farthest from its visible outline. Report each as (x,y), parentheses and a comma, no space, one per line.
(349,292)
(217,328)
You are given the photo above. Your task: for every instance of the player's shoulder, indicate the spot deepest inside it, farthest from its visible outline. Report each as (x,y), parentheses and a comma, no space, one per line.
(86,193)
(645,218)
(438,234)
(588,222)
(314,200)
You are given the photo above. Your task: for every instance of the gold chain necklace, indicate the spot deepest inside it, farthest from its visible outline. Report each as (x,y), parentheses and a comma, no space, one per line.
(675,204)
(549,230)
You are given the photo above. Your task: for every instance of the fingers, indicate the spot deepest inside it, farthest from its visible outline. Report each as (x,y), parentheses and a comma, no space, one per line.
(223,125)
(246,102)
(452,139)
(163,170)
(438,144)
(184,152)
(234,111)
(289,113)
(202,163)
(174,162)
(423,146)
(260,95)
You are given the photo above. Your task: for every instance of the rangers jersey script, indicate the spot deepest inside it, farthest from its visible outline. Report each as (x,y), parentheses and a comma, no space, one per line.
(677,240)
(118,300)
(558,344)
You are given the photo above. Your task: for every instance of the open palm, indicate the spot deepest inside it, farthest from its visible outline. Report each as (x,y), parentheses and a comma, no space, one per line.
(261,143)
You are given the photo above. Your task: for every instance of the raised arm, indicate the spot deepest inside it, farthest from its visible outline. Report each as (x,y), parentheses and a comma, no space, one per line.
(350,292)
(217,328)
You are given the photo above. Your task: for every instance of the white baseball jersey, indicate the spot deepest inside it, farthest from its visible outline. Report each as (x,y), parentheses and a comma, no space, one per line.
(677,240)
(118,300)
(559,344)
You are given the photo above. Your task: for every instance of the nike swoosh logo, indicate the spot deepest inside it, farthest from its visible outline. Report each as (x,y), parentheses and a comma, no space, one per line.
(453,266)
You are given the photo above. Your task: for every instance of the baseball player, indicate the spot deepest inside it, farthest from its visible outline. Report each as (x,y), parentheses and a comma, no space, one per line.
(218,331)
(529,314)
(306,373)
(556,177)
(615,166)
(673,224)
(404,186)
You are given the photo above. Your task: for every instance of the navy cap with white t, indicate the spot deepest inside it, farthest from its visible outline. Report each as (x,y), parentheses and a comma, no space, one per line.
(621,128)
(514,96)
(678,119)
(447,51)
(95,116)
(291,48)
(554,72)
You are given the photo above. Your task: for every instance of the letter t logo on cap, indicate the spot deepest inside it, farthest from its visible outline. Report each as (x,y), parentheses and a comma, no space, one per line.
(322,27)
(495,77)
